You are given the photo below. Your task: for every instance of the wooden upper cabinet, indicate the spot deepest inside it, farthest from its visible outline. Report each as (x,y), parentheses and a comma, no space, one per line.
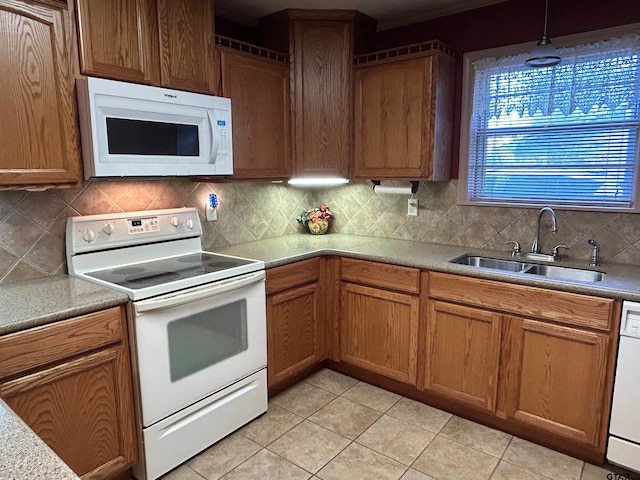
(555,379)
(321,45)
(119,39)
(187,45)
(166,43)
(39,141)
(403,117)
(322,97)
(260,103)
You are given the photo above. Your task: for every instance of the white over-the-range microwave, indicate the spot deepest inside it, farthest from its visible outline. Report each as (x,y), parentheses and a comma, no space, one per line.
(131,130)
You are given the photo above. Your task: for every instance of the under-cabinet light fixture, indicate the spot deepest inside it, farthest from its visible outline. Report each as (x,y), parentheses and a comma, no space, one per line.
(317,181)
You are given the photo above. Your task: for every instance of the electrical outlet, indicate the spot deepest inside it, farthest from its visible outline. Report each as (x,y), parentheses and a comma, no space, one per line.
(211,207)
(412,207)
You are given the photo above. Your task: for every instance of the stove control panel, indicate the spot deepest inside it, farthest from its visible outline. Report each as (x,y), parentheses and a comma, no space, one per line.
(143,225)
(100,232)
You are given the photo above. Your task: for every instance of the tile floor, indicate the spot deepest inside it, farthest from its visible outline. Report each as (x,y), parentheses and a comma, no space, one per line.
(333,427)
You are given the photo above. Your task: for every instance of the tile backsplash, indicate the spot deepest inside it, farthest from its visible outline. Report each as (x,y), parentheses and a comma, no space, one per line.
(32,224)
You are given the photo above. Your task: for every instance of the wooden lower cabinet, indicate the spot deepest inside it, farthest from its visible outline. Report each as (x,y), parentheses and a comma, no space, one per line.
(76,393)
(463,353)
(295,326)
(556,378)
(379,327)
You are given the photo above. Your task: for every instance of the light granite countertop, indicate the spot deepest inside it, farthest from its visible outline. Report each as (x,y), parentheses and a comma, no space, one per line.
(620,281)
(23,455)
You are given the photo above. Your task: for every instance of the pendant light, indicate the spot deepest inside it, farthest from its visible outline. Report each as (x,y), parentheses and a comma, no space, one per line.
(545,54)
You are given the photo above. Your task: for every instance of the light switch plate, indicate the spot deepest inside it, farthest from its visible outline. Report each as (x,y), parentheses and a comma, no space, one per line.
(412,207)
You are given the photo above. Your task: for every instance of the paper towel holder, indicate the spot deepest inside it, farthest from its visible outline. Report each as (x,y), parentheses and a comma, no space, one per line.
(414,185)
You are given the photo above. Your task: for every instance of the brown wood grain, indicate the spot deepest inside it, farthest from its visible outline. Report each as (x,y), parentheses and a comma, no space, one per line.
(291,275)
(322,96)
(463,353)
(39,142)
(261,109)
(403,110)
(119,39)
(81,406)
(25,350)
(392,277)
(379,331)
(187,46)
(295,331)
(552,305)
(559,378)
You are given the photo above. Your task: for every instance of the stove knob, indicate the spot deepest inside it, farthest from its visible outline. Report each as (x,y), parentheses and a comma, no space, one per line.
(109,228)
(89,236)
(190,224)
(174,221)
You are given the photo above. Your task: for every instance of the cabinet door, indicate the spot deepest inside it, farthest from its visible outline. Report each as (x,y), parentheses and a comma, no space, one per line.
(463,353)
(392,127)
(555,378)
(38,127)
(82,409)
(379,331)
(322,93)
(260,103)
(187,53)
(294,334)
(119,39)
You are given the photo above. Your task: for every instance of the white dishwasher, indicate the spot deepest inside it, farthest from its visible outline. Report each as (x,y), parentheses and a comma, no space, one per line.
(624,430)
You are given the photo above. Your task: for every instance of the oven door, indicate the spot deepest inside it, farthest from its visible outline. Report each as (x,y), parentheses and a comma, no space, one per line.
(192,343)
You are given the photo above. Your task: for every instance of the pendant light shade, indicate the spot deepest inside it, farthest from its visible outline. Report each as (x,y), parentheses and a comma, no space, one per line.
(545,54)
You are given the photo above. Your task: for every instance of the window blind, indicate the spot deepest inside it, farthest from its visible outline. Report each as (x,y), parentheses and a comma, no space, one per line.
(566,135)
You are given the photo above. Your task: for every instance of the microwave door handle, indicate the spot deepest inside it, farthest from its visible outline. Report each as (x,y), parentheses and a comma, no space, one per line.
(217,288)
(213,155)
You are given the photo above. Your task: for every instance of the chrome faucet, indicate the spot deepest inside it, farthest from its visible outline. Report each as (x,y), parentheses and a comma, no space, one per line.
(535,246)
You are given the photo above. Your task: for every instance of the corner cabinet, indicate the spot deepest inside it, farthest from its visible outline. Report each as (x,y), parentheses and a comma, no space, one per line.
(403,104)
(167,43)
(321,44)
(257,82)
(38,119)
(70,381)
(295,326)
(379,315)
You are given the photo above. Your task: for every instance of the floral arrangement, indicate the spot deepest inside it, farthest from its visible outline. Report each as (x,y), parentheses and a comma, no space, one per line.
(315,214)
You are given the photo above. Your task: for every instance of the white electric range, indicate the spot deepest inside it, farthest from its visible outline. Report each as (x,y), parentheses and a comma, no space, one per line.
(197,324)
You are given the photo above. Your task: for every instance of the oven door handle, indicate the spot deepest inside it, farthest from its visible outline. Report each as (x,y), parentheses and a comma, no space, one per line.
(218,288)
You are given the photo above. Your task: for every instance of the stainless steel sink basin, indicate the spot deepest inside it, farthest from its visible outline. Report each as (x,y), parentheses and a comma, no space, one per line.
(553,272)
(492,263)
(564,273)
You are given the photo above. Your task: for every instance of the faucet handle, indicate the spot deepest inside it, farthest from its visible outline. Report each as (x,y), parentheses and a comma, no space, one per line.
(516,247)
(556,251)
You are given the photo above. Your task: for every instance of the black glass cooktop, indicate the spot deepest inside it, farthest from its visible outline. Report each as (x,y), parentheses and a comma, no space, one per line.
(157,272)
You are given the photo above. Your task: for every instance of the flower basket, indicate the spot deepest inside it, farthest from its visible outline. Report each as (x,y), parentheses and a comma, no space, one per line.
(316,219)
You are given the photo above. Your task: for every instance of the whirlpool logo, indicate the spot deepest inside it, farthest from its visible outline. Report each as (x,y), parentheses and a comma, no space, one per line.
(168,95)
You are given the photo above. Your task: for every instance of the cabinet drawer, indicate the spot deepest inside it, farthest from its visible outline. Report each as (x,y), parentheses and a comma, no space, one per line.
(383,275)
(564,307)
(25,350)
(292,275)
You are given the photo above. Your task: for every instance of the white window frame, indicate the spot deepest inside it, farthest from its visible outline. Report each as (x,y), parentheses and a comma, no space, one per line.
(467,105)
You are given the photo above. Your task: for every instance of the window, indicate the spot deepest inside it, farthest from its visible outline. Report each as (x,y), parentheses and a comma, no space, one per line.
(565,136)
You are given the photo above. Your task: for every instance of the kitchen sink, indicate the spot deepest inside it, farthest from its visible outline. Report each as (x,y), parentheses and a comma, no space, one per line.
(553,272)
(492,263)
(565,273)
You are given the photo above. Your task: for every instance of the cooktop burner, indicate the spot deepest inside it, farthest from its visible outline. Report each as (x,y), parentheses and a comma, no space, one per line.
(158,272)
